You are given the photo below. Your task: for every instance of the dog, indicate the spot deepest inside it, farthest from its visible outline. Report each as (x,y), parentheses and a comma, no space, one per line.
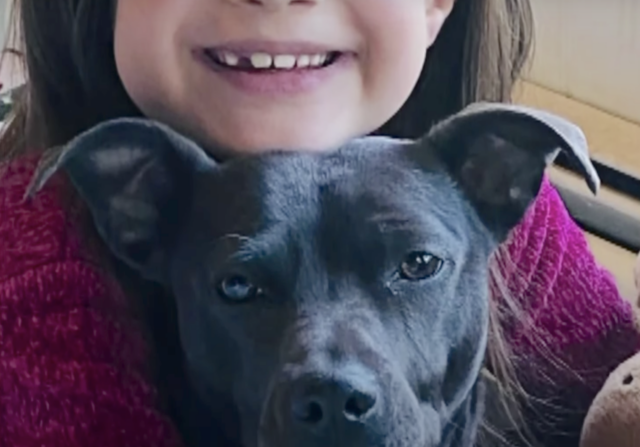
(336,298)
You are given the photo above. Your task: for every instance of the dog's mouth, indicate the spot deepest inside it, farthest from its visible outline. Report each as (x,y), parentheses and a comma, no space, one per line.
(262,62)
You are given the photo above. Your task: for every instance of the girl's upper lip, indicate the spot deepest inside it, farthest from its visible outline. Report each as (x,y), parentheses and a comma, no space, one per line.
(248,47)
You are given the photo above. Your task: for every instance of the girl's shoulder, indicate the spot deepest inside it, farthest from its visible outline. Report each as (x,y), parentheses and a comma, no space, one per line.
(559,282)
(33,231)
(66,323)
(547,238)
(572,326)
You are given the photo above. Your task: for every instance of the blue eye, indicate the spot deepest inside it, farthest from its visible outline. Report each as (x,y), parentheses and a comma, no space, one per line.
(237,289)
(418,266)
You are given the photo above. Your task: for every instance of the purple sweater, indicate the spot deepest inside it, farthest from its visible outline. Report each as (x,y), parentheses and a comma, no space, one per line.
(72,361)
(576,327)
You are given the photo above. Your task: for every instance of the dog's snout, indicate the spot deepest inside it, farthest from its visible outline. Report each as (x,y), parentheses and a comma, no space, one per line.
(338,385)
(342,404)
(359,404)
(315,403)
(328,405)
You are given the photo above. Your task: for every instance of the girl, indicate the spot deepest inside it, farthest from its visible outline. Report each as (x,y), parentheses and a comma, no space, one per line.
(250,75)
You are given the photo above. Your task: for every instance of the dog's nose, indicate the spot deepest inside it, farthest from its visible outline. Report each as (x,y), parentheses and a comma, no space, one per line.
(316,403)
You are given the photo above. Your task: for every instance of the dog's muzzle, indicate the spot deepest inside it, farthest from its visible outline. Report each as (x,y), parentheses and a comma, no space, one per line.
(341,409)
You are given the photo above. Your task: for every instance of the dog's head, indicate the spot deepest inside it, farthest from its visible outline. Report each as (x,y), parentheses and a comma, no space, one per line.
(327,299)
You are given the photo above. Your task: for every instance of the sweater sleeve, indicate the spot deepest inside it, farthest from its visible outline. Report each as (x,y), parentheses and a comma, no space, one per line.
(72,364)
(574,328)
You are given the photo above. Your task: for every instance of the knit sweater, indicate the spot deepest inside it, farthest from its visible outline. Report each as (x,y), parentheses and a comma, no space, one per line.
(74,363)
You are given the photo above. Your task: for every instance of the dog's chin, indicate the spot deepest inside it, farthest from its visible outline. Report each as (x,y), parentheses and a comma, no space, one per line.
(415,436)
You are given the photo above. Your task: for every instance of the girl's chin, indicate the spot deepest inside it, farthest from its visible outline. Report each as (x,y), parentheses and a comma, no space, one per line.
(257,143)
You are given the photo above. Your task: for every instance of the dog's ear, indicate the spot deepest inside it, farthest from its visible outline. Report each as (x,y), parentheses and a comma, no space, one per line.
(497,154)
(135,176)
(461,428)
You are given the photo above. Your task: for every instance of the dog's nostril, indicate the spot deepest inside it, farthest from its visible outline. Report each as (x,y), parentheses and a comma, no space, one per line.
(359,404)
(308,411)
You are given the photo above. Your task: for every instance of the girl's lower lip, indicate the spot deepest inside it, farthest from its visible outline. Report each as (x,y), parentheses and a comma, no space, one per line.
(277,82)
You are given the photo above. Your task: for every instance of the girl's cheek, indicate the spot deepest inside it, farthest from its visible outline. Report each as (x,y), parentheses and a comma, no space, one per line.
(155,41)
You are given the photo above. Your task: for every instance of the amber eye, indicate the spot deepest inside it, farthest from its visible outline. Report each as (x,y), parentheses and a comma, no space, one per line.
(237,289)
(420,265)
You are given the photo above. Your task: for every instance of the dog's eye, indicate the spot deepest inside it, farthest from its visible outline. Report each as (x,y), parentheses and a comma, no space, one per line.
(420,265)
(237,289)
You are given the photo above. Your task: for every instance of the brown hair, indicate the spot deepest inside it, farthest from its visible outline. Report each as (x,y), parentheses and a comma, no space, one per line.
(72,84)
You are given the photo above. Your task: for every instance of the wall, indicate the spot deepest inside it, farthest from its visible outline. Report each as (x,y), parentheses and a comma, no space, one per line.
(590,50)
(4,19)
(10,74)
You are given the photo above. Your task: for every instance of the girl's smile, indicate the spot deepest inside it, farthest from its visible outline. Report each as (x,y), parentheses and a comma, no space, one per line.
(252,75)
(275,68)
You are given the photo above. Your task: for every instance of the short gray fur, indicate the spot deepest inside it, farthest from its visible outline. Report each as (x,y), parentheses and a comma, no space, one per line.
(337,346)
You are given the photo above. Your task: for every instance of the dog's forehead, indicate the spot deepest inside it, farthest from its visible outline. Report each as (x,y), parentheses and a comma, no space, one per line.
(369,176)
(302,179)
(371,183)
(358,158)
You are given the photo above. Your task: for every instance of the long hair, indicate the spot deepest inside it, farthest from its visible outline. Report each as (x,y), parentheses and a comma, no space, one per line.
(72,84)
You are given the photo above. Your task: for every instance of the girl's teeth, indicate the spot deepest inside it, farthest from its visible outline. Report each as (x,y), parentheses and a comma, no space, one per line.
(230,59)
(316,60)
(284,61)
(264,61)
(261,60)
(303,61)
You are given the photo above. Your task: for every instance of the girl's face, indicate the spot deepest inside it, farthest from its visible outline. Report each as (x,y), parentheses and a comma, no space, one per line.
(252,75)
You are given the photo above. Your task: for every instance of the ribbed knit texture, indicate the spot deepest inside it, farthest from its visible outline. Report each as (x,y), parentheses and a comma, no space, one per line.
(576,328)
(73,364)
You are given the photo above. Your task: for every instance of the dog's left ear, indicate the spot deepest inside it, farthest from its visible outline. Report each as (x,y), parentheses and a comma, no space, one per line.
(135,176)
(498,153)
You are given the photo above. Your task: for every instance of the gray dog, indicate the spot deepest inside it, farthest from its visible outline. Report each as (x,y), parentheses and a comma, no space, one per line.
(334,299)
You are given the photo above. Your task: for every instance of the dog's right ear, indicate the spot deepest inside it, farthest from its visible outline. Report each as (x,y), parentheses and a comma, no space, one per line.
(135,176)
(497,155)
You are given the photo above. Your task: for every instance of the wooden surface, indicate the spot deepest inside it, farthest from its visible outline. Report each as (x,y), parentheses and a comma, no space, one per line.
(618,261)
